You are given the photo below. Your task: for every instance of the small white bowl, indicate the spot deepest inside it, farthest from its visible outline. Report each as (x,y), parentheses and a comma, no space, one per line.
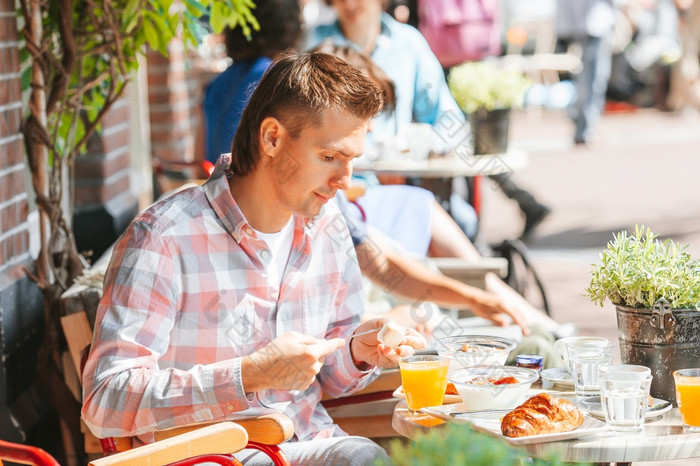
(481,350)
(487,395)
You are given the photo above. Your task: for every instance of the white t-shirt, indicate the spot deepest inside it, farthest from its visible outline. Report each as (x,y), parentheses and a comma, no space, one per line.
(280,245)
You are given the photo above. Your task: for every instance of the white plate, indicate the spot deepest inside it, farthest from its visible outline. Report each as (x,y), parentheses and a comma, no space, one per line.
(593,406)
(558,376)
(490,423)
(448,399)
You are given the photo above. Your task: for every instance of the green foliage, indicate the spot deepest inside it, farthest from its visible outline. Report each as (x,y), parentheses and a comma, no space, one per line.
(638,270)
(457,444)
(89,62)
(477,85)
(231,13)
(162,19)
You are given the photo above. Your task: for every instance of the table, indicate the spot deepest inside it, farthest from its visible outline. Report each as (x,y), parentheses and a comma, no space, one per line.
(662,439)
(449,166)
(437,173)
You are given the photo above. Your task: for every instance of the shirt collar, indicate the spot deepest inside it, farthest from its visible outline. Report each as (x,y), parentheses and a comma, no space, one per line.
(218,192)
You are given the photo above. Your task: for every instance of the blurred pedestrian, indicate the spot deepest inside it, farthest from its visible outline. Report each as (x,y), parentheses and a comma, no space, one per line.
(588,24)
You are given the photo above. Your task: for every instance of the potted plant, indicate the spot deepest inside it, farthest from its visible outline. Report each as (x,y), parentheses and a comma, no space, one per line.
(655,287)
(486,95)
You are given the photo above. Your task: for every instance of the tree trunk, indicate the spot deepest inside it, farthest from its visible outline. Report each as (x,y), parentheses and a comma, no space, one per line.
(39,152)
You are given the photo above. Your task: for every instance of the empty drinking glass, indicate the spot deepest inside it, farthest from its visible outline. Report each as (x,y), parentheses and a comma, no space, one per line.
(586,360)
(561,346)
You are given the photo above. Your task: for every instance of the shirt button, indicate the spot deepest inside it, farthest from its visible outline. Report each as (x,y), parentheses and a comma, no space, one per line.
(229,407)
(264,254)
(249,232)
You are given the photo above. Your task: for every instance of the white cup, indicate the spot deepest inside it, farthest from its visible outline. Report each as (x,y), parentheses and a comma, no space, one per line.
(416,139)
(561,346)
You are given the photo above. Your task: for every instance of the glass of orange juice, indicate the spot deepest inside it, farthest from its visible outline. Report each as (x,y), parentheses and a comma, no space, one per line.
(688,397)
(424,380)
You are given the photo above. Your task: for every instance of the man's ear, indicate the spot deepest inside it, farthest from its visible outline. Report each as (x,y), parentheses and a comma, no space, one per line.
(271,131)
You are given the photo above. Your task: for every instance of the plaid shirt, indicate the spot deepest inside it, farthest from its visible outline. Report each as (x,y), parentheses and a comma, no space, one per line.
(186,296)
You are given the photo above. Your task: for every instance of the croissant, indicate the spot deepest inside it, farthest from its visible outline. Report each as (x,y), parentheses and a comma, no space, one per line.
(541,414)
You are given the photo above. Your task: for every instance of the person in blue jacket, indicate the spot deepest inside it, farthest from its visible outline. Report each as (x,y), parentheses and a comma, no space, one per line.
(226,96)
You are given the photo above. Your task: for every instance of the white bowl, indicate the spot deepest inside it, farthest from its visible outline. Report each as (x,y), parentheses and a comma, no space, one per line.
(478,391)
(480,350)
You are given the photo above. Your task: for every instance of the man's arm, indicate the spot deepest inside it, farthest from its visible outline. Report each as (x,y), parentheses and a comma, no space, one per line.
(127,391)
(414,280)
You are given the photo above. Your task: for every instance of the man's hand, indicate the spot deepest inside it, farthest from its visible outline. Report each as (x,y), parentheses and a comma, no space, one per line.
(289,362)
(366,348)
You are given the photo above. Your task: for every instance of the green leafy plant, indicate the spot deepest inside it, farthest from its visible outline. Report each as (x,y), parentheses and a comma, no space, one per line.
(638,270)
(457,444)
(480,85)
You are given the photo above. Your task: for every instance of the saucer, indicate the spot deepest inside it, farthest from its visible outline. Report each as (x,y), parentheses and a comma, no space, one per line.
(558,376)
(595,409)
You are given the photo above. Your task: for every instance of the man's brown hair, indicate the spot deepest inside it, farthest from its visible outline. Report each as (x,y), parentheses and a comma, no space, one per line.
(296,90)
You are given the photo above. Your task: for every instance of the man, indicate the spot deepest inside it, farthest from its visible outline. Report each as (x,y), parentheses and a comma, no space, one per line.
(234,298)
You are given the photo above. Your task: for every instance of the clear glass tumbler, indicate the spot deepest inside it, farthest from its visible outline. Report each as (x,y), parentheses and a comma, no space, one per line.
(561,346)
(624,395)
(586,360)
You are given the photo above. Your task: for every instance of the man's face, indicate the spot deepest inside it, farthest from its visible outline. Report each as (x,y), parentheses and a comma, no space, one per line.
(311,168)
(357,11)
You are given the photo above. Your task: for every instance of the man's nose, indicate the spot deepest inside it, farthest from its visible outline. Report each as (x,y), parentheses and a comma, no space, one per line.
(342,181)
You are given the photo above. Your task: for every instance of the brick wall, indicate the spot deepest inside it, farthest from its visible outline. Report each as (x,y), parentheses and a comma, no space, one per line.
(104,203)
(14,233)
(21,308)
(103,173)
(172,104)
(175,88)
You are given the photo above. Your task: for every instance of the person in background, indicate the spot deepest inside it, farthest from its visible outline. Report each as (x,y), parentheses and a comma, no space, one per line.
(236,297)
(224,98)
(589,24)
(422,94)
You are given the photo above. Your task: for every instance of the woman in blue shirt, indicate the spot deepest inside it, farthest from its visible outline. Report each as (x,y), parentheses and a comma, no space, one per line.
(404,55)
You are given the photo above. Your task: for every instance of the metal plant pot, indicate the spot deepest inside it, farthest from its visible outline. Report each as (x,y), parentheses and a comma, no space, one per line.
(490,131)
(662,339)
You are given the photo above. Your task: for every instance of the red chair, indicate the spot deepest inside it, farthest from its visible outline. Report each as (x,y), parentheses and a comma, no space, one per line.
(213,444)
(25,454)
(196,447)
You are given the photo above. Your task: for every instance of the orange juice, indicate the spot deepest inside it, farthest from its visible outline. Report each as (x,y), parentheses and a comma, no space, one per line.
(424,380)
(688,398)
